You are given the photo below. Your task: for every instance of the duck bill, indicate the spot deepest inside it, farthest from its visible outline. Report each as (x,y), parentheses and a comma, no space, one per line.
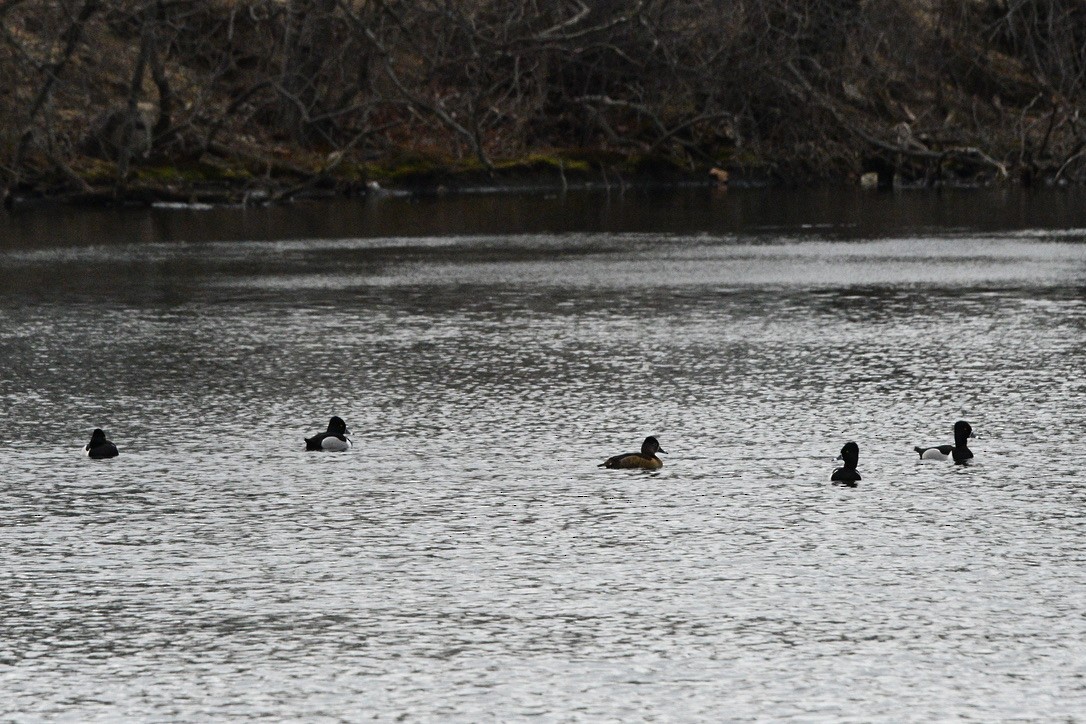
(662,452)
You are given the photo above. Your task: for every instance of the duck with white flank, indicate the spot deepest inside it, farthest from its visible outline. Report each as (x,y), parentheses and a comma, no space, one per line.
(959,450)
(334,440)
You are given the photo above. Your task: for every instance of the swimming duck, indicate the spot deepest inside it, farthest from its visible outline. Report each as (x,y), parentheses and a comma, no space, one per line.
(959,450)
(99,447)
(335,440)
(847,474)
(645,459)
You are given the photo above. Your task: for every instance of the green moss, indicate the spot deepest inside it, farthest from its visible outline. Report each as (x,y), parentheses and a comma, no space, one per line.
(160,174)
(358,172)
(544,162)
(745,158)
(226,173)
(406,166)
(195,173)
(419,169)
(95,171)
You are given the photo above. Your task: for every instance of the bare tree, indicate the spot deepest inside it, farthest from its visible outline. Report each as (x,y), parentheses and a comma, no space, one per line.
(303,94)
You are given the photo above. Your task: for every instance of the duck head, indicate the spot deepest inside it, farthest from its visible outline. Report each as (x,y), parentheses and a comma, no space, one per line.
(850,454)
(962,433)
(651,446)
(337,426)
(98,437)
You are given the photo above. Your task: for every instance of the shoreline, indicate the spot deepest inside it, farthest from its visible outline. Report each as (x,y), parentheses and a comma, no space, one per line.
(164,184)
(260,179)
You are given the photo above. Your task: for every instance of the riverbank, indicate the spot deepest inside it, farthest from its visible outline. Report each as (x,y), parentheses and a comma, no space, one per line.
(268,101)
(261,180)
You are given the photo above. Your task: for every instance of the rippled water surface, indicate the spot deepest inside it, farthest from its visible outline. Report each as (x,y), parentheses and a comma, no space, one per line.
(468,560)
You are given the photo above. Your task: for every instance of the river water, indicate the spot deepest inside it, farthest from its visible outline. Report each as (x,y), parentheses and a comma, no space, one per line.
(468,560)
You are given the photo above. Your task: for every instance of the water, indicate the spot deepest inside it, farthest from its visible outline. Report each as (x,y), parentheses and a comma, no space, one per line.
(468,560)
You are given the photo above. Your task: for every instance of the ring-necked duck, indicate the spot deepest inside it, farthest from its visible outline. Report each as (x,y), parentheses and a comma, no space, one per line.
(334,440)
(847,474)
(99,447)
(645,459)
(959,450)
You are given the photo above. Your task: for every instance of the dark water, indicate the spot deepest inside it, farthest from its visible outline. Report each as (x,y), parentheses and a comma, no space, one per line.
(468,560)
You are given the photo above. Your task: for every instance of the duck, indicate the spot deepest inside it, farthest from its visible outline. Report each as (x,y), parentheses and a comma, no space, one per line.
(334,440)
(959,450)
(99,447)
(847,473)
(646,459)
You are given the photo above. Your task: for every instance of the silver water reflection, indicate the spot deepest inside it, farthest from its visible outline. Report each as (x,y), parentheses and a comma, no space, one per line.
(468,560)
